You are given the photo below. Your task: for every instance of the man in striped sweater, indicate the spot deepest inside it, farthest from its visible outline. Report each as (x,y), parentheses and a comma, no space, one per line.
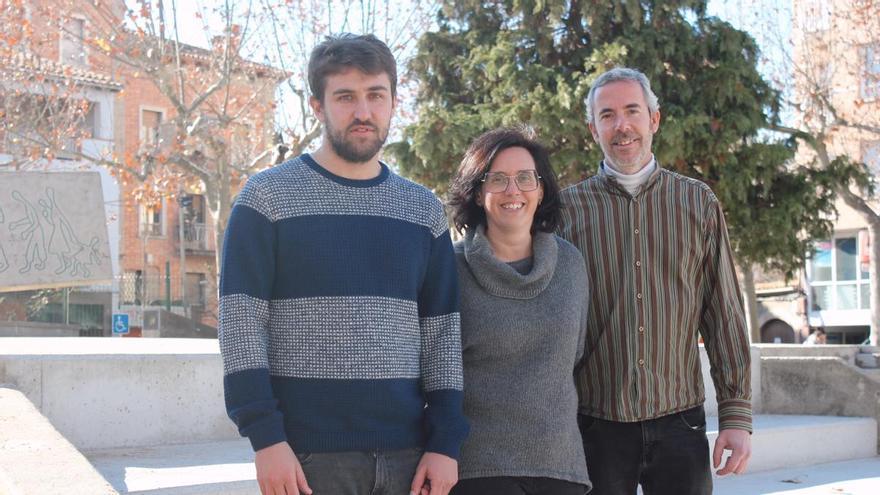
(661,276)
(339,324)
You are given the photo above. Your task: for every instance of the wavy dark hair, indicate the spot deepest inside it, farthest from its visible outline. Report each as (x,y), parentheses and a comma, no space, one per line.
(462,196)
(337,54)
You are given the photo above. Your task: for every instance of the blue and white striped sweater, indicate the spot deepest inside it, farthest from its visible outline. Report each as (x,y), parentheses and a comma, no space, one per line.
(339,314)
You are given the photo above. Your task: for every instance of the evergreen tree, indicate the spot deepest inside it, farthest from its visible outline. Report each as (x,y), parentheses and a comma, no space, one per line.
(507,62)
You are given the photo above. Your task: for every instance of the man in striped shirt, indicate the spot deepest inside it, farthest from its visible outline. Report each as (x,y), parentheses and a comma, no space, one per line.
(661,275)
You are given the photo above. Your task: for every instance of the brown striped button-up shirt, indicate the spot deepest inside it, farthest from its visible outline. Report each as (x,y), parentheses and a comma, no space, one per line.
(661,274)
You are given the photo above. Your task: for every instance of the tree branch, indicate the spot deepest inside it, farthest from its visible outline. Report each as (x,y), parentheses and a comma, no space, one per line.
(859,204)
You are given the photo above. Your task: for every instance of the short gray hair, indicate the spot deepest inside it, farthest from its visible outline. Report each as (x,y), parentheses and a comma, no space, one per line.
(622,74)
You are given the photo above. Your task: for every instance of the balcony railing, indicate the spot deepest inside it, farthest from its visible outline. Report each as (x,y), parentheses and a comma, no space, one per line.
(151,229)
(198,237)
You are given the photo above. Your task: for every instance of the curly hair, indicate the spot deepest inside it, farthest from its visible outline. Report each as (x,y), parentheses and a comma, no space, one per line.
(462,196)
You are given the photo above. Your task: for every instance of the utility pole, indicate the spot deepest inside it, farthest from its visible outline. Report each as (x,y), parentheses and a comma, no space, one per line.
(184,201)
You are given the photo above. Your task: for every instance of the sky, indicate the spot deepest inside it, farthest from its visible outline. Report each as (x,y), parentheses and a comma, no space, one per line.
(197,19)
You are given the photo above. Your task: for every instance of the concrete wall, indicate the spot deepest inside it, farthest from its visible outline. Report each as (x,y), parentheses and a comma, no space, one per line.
(847,353)
(821,385)
(37,329)
(104,392)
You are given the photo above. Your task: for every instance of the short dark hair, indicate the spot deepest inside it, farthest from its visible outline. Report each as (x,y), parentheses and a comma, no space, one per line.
(462,196)
(341,52)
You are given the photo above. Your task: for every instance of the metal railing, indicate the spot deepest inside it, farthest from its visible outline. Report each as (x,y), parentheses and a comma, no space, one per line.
(151,229)
(198,237)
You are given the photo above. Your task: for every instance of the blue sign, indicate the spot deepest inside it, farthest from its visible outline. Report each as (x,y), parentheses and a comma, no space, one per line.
(120,324)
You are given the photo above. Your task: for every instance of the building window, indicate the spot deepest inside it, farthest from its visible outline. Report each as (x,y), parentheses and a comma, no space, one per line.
(196,288)
(150,122)
(870,82)
(90,316)
(871,156)
(33,117)
(131,287)
(195,231)
(73,50)
(90,122)
(839,274)
(152,219)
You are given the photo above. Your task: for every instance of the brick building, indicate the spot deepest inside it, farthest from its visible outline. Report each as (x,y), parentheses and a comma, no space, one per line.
(834,50)
(163,234)
(837,51)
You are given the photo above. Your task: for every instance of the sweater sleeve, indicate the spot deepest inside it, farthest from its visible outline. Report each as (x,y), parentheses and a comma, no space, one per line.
(583,290)
(246,281)
(441,363)
(723,327)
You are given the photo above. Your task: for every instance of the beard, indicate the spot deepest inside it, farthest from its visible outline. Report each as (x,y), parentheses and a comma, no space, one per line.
(354,150)
(621,163)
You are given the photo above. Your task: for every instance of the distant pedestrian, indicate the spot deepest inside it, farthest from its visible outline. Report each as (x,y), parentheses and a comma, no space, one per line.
(817,337)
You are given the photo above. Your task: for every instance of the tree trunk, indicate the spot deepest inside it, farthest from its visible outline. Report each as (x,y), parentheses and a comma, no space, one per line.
(873,220)
(751,302)
(224,203)
(874,239)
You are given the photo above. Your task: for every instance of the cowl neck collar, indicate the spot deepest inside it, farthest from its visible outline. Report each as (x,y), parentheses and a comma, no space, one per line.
(502,280)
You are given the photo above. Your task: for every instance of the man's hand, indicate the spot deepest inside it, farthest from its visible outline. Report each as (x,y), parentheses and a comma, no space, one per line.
(737,441)
(279,472)
(435,475)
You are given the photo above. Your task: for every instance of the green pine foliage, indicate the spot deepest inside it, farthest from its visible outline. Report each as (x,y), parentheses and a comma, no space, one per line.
(508,62)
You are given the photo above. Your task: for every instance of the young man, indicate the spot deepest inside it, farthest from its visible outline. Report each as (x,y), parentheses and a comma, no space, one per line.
(339,324)
(661,276)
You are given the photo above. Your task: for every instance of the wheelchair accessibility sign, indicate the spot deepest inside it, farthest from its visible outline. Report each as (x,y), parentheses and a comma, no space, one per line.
(120,324)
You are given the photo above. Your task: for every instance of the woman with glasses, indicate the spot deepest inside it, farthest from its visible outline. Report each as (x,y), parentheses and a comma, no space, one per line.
(523,319)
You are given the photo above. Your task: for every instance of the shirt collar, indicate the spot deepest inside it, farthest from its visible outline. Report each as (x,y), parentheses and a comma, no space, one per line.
(611,182)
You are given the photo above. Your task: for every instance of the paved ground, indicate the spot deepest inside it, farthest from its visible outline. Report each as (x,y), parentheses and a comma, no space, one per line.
(230,471)
(857,477)
(176,467)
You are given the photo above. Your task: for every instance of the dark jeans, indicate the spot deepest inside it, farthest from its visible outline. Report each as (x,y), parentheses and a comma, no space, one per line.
(360,473)
(667,455)
(509,485)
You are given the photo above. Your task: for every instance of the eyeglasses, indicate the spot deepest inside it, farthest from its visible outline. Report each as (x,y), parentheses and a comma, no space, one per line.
(526,180)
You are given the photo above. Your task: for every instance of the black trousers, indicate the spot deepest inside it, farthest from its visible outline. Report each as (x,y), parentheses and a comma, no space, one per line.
(667,455)
(512,485)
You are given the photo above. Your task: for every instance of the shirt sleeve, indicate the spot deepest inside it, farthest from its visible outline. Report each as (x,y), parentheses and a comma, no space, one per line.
(246,281)
(723,327)
(441,362)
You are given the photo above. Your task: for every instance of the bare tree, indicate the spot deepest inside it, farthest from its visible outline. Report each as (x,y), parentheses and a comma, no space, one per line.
(826,64)
(228,118)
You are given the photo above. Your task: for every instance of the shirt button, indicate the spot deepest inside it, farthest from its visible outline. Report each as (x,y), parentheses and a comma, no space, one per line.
(641,362)
(636,231)
(641,329)
(639,295)
(638,263)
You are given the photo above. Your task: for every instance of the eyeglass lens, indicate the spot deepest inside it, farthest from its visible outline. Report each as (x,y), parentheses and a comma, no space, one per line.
(526,180)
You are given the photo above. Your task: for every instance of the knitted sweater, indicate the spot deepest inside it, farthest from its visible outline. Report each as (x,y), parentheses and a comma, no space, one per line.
(339,314)
(522,337)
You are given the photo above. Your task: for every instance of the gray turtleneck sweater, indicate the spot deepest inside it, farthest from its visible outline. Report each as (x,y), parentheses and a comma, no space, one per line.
(522,337)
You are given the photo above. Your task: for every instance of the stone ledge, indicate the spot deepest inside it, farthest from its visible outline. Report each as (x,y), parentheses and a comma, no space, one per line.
(35,458)
(45,347)
(855,477)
